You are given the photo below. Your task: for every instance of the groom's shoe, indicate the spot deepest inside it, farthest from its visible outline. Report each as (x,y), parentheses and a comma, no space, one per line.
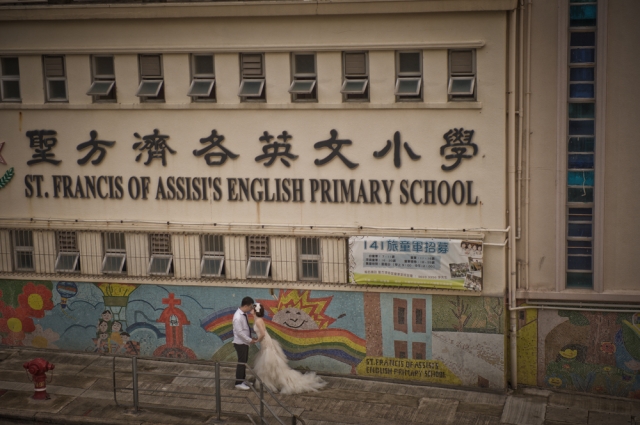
(242,386)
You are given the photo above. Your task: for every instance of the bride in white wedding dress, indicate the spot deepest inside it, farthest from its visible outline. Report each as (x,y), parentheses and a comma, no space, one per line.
(272,367)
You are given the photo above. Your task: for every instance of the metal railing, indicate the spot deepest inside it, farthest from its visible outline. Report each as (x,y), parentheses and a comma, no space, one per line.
(258,403)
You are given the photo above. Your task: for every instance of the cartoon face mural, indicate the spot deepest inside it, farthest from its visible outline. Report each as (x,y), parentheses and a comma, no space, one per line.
(295,318)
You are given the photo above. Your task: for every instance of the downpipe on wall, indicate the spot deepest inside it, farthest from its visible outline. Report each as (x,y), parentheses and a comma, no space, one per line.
(511,148)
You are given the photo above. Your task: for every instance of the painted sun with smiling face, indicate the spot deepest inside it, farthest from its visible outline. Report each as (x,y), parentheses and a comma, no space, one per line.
(295,318)
(297,310)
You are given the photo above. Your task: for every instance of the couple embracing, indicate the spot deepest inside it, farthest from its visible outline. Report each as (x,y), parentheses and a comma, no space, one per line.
(271,363)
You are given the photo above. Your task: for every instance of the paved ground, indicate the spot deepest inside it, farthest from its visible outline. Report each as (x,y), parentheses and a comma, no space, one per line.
(82,393)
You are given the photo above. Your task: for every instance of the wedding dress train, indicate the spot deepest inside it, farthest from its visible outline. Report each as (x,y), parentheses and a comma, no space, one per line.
(273,369)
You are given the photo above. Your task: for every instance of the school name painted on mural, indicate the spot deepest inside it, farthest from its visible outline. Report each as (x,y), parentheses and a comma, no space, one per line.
(281,190)
(414,369)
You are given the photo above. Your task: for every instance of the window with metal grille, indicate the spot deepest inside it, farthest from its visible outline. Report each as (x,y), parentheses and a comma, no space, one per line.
(151,88)
(462,75)
(68,260)
(115,254)
(212,263)
(419,306)
(103,77)
(309,258)
(419,350)
(23,250)
(55,75)
(401,348)
(252,78)
(355,70)
(402,316)
(203,79)
(9,79)
(304,77)
(161,262)
(408,76)
(581,143)
(259,263)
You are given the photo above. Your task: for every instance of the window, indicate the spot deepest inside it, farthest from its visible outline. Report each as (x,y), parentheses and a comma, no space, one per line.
(419,350)
(151,88)
(68,254)
(259,263)
(304,78)
(400,348)
(161,262)
(202,79)
(309,258)
(408,76)
(10,79)
(581,144)
(355,86)
(23,250)
(252,78)
(103,77)
(462,75)
(400,315)
(419,306)
(212,255)
(55,75)
(115,255)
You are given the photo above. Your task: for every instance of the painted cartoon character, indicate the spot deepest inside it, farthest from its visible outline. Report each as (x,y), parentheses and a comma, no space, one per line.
(116,329)
(131,348)
(102,343)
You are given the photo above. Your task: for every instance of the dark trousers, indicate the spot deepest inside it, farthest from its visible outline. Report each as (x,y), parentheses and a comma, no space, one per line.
(243,356)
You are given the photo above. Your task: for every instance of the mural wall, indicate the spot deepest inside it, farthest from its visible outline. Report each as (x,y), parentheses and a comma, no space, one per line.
(453,340)
(591,352)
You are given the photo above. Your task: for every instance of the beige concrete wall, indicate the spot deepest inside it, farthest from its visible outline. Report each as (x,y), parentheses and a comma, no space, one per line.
(543,147)
(368,125)
(622,203)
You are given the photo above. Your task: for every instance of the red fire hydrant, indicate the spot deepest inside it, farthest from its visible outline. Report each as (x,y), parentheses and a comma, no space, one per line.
(38,368)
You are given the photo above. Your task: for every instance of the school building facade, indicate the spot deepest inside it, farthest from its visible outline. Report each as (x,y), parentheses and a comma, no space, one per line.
(415,190)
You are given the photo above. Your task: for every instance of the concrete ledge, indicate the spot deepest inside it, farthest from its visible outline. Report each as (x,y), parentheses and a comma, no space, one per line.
(256,8)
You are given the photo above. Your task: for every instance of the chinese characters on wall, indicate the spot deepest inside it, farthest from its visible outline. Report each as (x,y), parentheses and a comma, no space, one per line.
(458,147)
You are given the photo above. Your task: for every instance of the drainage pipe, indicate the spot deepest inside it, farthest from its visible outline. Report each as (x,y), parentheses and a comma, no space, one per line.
(511,145)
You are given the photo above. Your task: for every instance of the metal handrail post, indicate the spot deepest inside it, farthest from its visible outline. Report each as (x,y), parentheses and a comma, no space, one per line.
(218,395)
(261,403)
(134,373)
(113,369)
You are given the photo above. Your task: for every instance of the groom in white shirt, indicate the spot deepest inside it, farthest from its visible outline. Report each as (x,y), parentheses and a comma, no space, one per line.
(242,339)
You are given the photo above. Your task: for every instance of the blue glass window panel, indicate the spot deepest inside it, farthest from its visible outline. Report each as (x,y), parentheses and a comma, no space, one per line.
(586,244)
(582,110)
(579,262)
(579,280)
(583,55)
(579,178)
(581,144)
(583,15)
(581,230)
(582,128)
(581,91)
(586,218)
(588,211)
(582,74)
(580,161)
(580,194)
(583,39)
(583,251)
